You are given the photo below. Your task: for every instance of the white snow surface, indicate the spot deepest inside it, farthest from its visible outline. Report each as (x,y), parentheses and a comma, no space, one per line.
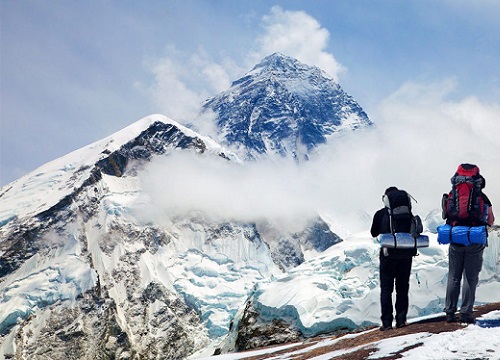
(59,275)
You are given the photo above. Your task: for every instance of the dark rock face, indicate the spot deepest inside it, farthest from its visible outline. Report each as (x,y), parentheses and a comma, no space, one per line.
(21,245)
(254,333)
(282,106)
(318,236)
(287,248)
(66,332)
(155,140)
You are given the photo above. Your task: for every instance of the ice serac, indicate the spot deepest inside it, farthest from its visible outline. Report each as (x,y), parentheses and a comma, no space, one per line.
(283,108)
(338,290)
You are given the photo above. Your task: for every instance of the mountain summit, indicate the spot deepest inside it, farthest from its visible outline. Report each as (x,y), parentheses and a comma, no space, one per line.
(283,107)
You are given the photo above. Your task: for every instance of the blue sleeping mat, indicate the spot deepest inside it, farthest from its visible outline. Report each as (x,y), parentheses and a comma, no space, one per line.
(463,235)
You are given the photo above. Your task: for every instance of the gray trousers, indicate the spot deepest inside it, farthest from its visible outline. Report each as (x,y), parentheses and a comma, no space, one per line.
(463,261)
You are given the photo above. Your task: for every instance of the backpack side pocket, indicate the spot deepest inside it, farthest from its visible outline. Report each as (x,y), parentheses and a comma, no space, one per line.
(416,226)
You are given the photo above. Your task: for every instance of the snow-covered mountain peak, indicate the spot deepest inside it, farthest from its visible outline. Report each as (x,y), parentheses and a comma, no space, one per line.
(278,64)
(296,78)
(44,187)
(283,108)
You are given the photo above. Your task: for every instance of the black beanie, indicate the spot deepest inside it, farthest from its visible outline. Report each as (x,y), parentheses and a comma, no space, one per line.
(390,189)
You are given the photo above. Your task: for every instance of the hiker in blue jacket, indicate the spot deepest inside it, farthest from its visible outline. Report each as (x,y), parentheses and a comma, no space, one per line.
(395,264)
(465,260)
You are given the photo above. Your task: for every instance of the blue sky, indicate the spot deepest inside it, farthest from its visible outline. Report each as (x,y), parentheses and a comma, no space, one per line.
(73,72)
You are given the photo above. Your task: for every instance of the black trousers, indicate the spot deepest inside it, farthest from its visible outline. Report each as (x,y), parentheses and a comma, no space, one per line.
(394,271)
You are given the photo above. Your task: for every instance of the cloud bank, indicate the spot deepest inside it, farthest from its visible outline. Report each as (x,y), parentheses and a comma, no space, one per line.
(185,182)
(420,139)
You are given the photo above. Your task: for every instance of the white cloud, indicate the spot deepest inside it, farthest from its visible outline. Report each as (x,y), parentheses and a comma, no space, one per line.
(182,82)
(297,34)
(218,77)
(170,92)
(185,182)
(420,139)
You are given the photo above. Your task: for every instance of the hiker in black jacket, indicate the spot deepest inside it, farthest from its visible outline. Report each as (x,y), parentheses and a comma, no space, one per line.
(395,264)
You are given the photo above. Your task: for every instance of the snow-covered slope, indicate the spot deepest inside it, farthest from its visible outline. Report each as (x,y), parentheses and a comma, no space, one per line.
(75,261)
(40,199)
(283,108)
(84,269)
(42,188)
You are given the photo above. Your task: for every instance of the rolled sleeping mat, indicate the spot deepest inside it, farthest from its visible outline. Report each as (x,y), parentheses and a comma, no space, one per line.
(403,241)
(463,235)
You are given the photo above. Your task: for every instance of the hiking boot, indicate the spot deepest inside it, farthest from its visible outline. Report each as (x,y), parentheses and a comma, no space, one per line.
(450,318)
(402,324)
(466,318)
(385,328)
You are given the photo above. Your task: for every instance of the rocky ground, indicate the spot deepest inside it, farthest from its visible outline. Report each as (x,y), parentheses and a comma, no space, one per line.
(367,341)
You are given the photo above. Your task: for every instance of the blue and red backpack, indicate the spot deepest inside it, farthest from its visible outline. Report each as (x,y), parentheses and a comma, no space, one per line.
(464,205)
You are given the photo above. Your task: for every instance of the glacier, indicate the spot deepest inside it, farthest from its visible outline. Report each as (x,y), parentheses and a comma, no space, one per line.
(338,290)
